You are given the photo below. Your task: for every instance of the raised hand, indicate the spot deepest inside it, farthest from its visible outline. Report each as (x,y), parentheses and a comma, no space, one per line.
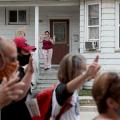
(41,38)
(30,67)
(93,68)
(10,90)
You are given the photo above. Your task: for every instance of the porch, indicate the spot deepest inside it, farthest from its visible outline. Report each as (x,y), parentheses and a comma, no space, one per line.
(37,16)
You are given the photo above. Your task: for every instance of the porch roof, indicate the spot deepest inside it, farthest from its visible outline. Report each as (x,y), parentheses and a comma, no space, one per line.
(7,3)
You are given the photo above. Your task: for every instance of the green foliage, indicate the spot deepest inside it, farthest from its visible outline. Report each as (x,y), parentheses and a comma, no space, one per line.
(85,92)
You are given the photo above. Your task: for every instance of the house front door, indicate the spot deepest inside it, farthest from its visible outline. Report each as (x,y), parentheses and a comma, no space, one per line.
(60,28)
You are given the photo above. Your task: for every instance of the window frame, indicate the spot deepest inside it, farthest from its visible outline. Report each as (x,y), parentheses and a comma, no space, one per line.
(18,22)
(117,34)
(86,22)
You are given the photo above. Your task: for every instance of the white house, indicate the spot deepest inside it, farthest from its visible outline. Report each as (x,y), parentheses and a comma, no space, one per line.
(87,26)
(99,20)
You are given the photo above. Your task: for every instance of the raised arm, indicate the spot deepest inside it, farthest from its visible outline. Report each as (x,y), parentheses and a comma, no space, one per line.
(41,39)
(89,74)
(52,40)
(28,77)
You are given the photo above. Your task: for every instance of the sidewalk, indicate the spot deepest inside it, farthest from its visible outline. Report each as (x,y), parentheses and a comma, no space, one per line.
(88,112)
(87,115)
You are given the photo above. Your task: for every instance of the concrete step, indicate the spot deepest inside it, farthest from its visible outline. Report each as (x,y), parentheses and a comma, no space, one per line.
(52,69)
(41,65)
(86,101)
(41,81)
(48,77)
(42,86)
(88,108)
(48,72)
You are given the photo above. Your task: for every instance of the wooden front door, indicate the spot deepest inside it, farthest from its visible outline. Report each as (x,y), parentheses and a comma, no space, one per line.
(60,28)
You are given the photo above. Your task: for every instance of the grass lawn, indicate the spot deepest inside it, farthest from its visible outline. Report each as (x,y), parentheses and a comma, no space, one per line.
(85,92)
(86,102)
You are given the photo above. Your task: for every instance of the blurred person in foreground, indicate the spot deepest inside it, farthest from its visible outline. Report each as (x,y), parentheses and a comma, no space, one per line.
(106,93)
(18,110)
(10,89)
(72,74)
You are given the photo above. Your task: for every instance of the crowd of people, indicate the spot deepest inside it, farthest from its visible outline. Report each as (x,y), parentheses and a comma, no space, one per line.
(16,70)
(21,75)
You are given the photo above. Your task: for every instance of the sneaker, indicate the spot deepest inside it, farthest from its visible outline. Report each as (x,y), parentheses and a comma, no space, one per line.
(46,68)
(49,66)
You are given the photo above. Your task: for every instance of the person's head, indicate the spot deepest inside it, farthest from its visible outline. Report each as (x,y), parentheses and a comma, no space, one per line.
(24,50)
(21,32)
(106,92)
(47,34)
(70,67)
(8,58)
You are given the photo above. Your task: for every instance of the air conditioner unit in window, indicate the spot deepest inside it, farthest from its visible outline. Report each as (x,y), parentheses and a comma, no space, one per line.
(92,45)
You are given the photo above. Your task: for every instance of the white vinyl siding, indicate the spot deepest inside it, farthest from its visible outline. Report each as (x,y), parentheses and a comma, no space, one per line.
(108,34)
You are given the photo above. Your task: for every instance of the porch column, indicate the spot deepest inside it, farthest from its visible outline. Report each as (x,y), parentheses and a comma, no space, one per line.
(36,44)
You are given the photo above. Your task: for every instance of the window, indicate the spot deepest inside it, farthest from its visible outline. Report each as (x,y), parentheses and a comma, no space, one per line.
(92,27)
(93,22)
(59,29)
(17,16)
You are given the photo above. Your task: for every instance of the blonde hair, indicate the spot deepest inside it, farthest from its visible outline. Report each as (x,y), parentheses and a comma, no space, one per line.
(71,66)
(21,32)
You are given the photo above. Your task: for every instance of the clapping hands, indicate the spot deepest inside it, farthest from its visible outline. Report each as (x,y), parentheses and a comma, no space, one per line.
(10,90)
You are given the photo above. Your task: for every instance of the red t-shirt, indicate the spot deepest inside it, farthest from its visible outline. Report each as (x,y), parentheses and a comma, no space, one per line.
(47,44)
